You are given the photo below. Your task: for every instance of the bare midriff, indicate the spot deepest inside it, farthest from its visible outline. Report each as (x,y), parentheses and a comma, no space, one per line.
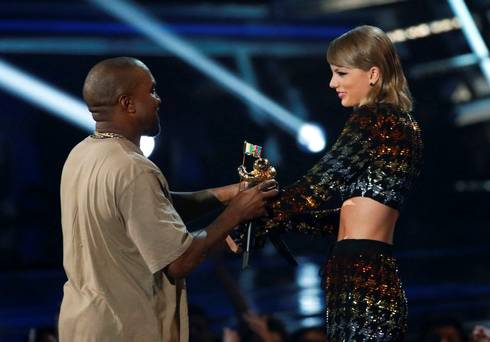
(365,218)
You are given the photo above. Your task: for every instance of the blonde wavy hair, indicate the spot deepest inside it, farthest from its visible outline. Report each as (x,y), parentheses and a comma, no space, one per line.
(364,47)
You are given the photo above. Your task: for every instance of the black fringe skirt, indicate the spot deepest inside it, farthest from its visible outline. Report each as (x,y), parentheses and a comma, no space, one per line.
(364,295)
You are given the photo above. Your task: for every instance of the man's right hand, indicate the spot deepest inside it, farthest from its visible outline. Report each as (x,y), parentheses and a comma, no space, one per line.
(245,206)
(251,203)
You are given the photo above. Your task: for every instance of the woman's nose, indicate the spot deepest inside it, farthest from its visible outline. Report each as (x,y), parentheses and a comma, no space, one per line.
(333,83)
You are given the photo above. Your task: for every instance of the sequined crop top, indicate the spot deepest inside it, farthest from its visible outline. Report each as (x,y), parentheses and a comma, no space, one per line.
(377,155)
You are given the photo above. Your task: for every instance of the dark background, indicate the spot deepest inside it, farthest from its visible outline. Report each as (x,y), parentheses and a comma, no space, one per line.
(442,238)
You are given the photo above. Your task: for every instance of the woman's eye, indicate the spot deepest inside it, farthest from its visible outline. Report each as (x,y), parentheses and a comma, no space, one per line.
(341,73)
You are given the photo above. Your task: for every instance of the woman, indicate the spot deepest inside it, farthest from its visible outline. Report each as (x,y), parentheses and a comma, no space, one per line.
(357,189)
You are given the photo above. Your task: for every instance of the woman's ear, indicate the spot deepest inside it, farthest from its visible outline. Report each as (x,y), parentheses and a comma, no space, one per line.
(374,75)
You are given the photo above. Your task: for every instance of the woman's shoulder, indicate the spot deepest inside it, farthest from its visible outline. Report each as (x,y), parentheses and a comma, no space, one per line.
(374,116)
(386,121)
(386,114)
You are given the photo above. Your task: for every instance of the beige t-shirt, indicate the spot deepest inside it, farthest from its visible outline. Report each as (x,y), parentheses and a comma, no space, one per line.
(119,231)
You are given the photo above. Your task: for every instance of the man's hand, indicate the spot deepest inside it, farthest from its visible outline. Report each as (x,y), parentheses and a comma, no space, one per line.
(243,207)
(251,203)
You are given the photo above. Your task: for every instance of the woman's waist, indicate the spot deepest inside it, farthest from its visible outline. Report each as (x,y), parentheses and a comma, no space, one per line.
(365,218)
(357,247)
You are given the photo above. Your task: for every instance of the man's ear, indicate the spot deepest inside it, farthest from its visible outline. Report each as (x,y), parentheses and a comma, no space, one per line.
(374,75)
(126,103)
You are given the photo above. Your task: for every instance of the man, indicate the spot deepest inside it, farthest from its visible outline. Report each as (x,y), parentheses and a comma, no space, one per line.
(126,250)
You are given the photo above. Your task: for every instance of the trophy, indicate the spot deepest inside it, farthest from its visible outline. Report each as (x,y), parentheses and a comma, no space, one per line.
(261,171)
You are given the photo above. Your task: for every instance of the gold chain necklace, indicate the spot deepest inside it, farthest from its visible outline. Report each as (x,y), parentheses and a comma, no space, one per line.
(106,135)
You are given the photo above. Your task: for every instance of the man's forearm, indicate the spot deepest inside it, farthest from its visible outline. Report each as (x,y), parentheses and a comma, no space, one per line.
(224,194)
(245,206)
(203,241)
(192,205)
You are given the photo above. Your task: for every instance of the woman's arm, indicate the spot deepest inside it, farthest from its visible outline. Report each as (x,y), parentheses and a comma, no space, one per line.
(377,155)
(312,204)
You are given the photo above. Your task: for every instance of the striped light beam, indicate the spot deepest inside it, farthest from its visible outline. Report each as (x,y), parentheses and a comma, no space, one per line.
(134,15)
(473,36)
(53,100)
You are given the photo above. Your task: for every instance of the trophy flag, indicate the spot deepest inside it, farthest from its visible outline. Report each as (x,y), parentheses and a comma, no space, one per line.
(262,171)
(251,149)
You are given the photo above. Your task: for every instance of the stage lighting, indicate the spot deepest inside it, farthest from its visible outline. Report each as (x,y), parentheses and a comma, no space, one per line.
(312,137)
(151,27)
(41,94)
(147,144)
(307,275)
(473,36)
(423,30)
(54,101)
(308,282)
(309,300)
(311,322)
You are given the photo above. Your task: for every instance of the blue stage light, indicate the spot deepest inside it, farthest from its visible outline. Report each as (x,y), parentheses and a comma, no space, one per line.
(192,29)
(312,137)
(309,294)
(473,36)
(166,39)
(35,91)
(41,94)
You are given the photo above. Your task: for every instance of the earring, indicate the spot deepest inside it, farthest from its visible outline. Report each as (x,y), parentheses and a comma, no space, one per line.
(371,84)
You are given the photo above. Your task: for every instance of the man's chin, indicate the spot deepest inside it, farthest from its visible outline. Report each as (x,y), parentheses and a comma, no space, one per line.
(154,132)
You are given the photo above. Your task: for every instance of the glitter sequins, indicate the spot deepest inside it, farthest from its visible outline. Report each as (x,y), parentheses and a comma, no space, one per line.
(364,296)
(377,155)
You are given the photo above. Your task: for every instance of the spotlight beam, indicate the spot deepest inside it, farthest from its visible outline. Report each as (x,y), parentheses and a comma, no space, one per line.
(473,36)
(134,15)
(153,29)
(33,90)
(41,94)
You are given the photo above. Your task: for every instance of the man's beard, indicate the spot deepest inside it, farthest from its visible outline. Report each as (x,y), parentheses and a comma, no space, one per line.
(155,128)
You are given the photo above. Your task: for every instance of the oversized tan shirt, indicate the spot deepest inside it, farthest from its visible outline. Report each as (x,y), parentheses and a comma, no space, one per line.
(119,231)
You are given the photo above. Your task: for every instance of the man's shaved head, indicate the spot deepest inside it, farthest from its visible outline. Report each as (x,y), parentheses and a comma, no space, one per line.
(109,79)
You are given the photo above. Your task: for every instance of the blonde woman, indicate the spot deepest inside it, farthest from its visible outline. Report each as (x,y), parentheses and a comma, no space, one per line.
(357,189)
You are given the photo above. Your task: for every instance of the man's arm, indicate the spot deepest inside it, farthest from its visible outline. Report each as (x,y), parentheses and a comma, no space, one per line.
(192,205)
(245,206)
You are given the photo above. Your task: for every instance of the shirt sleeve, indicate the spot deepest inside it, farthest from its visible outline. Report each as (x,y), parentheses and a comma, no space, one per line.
(312,204)
(152,222)
(395,158)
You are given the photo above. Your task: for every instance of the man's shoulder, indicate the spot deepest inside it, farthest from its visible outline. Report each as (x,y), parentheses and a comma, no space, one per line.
(123,155)
(112,155)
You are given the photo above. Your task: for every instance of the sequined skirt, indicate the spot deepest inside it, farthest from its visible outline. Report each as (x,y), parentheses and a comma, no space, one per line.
(364,296)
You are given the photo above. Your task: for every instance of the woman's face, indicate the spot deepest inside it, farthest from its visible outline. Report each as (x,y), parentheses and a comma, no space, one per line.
(351,84)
